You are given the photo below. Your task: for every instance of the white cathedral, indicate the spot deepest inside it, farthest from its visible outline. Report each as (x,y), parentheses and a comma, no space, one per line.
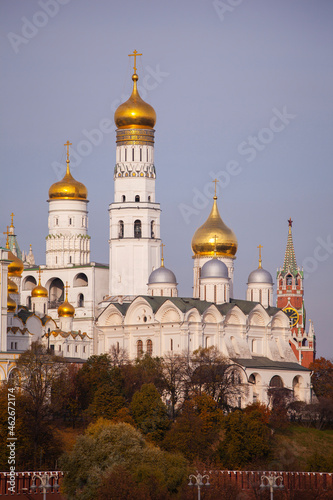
(79,307)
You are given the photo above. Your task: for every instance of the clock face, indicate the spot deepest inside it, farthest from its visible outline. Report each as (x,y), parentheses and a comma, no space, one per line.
(292,315)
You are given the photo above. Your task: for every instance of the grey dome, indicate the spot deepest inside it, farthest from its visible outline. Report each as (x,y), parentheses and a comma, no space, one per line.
(214,268)
(162,275)
(260,275)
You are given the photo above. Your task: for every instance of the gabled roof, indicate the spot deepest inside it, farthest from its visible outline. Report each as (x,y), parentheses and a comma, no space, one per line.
(263,362)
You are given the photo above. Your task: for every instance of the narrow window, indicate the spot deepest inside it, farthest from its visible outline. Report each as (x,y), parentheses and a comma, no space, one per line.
(76,348)
(12,345)
(33,308)
(137,197)
(137,229)
(152,229)
(80,300)
(139,348)
(214,293)
(149,347)
(56,260)
(44,308)
(59,349)
(123,198)
(260,296)
(140,154)
(147,154)
(84,348)
(132,154)
(15,345)
(70,221)
(171,344)
(121,229)
(70,259)
(118,348)
(125,154)
(68,348)
(148,198)
(252,295)
(56,223)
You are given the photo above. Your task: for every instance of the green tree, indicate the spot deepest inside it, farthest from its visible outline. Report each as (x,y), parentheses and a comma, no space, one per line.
(150,413)
(247,438)
(104,447)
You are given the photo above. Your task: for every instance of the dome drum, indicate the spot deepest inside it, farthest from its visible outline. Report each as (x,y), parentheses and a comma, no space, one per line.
(132,137)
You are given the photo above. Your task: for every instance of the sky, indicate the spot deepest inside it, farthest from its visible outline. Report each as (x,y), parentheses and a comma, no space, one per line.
(243,93)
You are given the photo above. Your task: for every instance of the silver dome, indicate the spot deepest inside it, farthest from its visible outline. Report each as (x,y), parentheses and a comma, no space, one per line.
(260,275)
(214,268)
(162,275)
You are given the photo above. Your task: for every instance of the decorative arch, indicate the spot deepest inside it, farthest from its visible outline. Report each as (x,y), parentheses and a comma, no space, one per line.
(113,319)
(29,283)
(170,315)
(149,345)
(257,319)
(139,349)
(80,279)
(276,382)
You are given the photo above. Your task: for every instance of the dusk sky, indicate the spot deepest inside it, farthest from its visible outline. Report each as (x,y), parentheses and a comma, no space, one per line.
(242,91)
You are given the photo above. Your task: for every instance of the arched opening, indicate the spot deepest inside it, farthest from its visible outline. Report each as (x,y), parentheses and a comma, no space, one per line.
(80,280)
(121,229)
(289,280)
(56,293)
(148,198)
(137,197)
(305,342)
(123,198)
(80,300)
(152,229)
(149,347)
(137,229)
(29,283)
(139,348)
(276,382)
(297,386)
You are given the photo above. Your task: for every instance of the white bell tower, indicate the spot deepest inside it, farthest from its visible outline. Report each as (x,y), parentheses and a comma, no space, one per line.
(134,215)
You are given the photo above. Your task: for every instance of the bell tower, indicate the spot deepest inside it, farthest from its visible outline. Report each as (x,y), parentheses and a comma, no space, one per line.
(134,244)
(290,298)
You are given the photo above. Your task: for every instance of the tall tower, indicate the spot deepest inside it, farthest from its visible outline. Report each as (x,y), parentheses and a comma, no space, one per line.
(68,242)
(290,298)
(134,215)
(211,239)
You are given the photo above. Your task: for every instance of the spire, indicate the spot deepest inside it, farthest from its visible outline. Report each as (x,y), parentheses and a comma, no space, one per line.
(260,260)
(290,258)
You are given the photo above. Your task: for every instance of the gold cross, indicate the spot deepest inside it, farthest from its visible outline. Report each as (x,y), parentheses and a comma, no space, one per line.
(39,273)
(12,217)
(162,258)
(135,54)
(7,233)
(215,181)
(260,247)
(66,288)
(68,144)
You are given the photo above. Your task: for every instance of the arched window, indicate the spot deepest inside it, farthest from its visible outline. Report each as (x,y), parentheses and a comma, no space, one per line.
(152,229)
(139,348)
(149,347)
(80,280)
(121,229)
(148,198)
(137,197)
(289,280)
(29,283)
(123,198)
(80,300)
(137,229)
(29,302)
(56,293)
(276,382)
(304,342)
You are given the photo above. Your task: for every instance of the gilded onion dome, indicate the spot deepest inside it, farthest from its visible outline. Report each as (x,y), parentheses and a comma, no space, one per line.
(66,309)
(16,266)
(11,304)
(12,287)
(68,188)
(135,112)
(214,235)
(39,291)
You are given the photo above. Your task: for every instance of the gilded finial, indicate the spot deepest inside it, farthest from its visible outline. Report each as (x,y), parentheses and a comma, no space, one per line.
(67,144)
(162,258)
(260,261)
(135,54)
(7,240)
(215,181)
(12,220)
(39,273)
(67,287)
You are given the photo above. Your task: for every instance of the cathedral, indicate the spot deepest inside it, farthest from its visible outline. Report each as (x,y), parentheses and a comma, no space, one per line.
(78,307)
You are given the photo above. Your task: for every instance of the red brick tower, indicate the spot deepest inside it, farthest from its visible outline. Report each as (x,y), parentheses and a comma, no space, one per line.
(290,298)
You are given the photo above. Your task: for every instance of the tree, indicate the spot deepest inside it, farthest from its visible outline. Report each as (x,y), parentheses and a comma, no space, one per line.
(247,439)
(174,380)
(150,413)
(322,378)
(105,446)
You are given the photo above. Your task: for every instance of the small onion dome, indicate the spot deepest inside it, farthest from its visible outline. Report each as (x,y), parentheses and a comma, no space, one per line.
(11,305)
(39,291)
(12,287)
(260,275)
(135,113)
(66,309)
(213,236)
(16,266)
(214,268)
(162,275)
(68,188)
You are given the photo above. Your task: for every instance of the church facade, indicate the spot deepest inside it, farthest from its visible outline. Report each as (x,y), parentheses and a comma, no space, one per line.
(79,307)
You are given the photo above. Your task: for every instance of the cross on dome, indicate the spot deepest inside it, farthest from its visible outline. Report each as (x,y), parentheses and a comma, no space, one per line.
(135,54)
(260,261)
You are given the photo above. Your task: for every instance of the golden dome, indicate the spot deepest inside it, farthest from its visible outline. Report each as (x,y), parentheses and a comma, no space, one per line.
(39,291)
(11,305)
(214,236)
(135,113)
(12,287)
(68,188)
(16,266)
(66,309)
